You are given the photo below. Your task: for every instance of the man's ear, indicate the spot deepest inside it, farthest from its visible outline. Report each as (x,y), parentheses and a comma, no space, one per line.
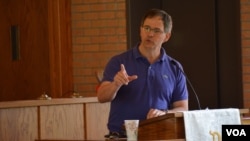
(168,35)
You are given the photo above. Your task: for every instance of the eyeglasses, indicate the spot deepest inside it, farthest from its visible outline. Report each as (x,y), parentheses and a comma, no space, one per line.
(148,29)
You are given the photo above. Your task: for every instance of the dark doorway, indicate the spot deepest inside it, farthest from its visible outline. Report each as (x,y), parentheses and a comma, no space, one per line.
(206,40)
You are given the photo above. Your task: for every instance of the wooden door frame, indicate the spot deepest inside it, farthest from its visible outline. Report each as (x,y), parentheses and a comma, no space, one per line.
(60,47)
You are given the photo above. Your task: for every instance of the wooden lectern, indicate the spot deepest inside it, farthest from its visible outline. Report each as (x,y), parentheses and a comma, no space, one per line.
(169,127)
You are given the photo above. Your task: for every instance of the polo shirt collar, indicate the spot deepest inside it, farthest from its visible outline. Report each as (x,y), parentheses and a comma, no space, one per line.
(137,54)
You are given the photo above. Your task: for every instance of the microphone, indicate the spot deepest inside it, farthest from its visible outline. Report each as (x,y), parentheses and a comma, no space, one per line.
(190,84)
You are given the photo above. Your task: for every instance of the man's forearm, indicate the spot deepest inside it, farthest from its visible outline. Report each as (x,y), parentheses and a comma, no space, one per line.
(107,91)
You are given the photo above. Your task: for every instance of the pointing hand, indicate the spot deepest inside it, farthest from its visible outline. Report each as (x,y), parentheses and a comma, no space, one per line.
(122,78)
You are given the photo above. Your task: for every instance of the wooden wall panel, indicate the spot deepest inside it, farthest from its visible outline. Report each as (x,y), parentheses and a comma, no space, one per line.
(60,48)
(18,124)
(28,77)
(45,63)
(96,116)
(62,122)
(65,118)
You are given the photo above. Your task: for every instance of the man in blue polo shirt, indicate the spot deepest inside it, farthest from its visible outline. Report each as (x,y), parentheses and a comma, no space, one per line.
(144,82)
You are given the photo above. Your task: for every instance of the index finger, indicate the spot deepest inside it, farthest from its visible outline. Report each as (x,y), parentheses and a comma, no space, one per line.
(123,68)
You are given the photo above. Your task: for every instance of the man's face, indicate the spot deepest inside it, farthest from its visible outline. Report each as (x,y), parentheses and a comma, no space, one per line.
(152,33)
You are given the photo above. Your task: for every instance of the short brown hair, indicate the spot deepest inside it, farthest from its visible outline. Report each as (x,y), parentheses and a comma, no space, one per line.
(166,18)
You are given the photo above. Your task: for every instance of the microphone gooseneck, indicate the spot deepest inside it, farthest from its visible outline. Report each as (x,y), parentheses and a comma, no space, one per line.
(190,84)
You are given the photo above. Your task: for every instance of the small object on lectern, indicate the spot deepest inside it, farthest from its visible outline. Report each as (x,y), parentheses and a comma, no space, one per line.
(44,96)
(76,95)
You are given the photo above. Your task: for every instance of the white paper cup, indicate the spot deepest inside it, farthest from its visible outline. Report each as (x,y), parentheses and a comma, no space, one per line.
(131,129)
